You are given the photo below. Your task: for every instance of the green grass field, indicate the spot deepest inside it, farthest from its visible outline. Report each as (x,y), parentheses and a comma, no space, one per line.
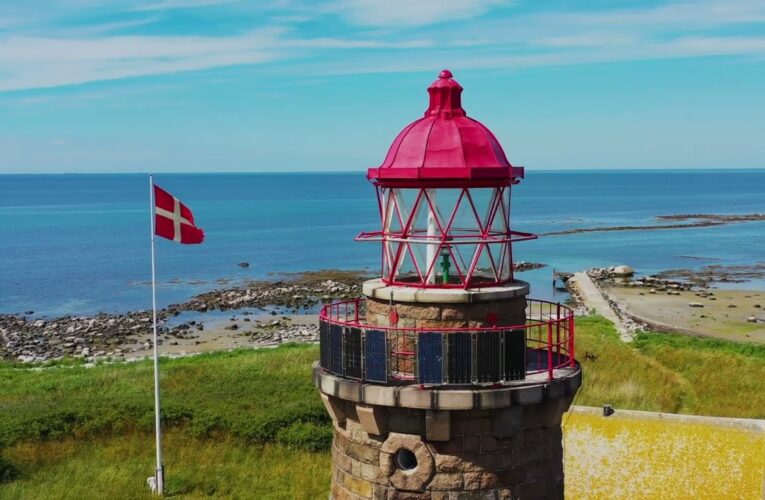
(250,421)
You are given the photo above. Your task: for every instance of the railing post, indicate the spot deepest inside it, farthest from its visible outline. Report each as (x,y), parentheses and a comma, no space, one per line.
(549,351)
(557,331)
(571,352)
(356,313)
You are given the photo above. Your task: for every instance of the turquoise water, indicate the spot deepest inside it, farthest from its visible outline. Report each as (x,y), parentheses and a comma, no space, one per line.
(79,244)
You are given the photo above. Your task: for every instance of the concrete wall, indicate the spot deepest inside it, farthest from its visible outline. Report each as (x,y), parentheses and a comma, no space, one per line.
(638,455)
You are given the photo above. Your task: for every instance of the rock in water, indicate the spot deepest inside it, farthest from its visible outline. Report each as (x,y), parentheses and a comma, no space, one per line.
(623,271)
(244,264)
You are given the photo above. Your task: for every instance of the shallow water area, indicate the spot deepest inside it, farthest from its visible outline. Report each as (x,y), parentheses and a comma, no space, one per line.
(95,254)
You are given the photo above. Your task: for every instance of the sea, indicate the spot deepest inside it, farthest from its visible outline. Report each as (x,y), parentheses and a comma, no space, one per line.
(80,244)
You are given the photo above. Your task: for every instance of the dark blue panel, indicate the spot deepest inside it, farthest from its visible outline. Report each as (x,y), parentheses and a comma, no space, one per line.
(352,353)
(324,344)
(375,356)
(430,360)
(336,349)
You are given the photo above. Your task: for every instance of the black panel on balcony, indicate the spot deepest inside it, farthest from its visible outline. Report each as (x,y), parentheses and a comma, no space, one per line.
(488,356)
(430,359)
(352,353)
(336,349)
(324,344)
(375,356)
(515,354)
(460,357)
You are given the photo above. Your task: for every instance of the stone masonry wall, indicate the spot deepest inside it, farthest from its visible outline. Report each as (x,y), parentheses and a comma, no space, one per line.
(428,315)
(517,456)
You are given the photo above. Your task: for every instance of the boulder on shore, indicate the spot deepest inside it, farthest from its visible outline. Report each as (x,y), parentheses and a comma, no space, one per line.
(622,271)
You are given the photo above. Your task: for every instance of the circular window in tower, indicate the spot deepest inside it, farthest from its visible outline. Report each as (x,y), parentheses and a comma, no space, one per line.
(405,459)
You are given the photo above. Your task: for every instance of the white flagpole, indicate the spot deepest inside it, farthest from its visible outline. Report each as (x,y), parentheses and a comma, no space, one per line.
(159,478)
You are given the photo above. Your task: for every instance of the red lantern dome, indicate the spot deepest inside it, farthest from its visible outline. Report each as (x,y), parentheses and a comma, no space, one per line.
(444,197)
(445,147)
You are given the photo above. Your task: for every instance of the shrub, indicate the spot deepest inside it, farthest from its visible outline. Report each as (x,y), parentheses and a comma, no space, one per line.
(8,472)
(306,435)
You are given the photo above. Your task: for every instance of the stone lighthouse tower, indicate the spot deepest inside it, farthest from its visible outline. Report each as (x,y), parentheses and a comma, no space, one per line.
(445,380)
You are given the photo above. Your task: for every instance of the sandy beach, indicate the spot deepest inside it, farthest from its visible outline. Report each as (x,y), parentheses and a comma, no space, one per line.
(725,314)
(238,331)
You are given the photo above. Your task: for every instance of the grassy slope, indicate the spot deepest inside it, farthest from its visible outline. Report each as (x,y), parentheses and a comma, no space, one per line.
(117,467)
(251,420)
(258,396)
(672,373)
(726,379)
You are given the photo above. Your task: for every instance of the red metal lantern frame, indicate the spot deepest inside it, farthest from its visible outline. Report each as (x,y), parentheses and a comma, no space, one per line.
(397,244)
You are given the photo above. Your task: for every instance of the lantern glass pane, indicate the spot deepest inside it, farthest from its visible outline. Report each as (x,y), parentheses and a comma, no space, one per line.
(459,233)
(506,263)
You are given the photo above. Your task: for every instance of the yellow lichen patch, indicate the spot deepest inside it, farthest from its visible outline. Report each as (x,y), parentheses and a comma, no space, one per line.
(661,456)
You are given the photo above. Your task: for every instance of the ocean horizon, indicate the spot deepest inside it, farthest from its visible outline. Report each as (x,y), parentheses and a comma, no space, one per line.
(79,243)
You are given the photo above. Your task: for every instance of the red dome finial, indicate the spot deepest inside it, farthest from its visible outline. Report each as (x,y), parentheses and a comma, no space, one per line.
(445,97)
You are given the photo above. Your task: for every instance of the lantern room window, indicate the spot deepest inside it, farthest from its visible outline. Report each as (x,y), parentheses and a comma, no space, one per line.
(445,237)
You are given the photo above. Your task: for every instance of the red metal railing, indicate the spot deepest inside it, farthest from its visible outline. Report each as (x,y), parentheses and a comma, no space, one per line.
(545,343)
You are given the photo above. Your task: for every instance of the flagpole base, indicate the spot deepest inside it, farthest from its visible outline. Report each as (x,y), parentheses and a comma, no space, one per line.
(157,481)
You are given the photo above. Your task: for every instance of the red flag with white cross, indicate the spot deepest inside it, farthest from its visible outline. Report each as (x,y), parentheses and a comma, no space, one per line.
(173,220)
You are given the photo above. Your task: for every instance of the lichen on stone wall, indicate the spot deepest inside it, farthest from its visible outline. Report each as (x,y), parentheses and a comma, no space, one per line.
(659,457)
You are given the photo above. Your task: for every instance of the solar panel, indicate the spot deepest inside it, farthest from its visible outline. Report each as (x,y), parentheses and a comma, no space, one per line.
(324,344)
(430,360)
(487,356)
(515,354)
(352,353)
(375,356)
(336,349)
(460,357)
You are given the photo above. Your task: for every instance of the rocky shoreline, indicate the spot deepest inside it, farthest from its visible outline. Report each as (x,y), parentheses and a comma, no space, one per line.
(107,335)
(682,279)
(118,337)
(679,221)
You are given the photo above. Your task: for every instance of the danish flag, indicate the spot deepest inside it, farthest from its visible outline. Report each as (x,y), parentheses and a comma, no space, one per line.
(173,220)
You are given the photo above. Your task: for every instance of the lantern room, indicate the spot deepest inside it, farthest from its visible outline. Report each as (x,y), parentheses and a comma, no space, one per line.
(444,199)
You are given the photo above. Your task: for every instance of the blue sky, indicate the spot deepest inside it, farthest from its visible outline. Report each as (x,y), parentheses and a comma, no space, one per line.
(296,85)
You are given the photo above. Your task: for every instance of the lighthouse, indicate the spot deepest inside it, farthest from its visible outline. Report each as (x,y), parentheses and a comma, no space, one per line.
(445,379)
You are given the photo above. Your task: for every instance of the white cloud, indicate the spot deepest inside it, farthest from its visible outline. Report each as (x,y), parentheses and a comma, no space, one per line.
(671,30)
(690,47)
(585,40)
(394,13)
(35,62)
(181,4)
(47,62)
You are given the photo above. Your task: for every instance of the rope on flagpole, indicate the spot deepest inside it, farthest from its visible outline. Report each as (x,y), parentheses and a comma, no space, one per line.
(157,483)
